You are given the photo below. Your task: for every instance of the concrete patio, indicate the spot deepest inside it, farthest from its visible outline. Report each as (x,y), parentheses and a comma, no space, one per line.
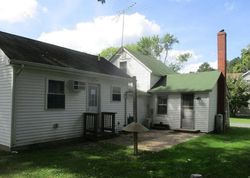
(154,140)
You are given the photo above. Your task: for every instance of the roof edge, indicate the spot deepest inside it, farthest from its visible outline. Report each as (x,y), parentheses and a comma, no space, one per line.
(65,69)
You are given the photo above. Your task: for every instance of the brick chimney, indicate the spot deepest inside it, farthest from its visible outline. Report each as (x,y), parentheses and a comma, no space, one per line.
(222,52)
(222,67)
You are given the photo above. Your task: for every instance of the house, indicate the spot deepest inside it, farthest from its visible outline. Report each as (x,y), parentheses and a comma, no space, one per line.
(181,101)
(45,89)
(244,111)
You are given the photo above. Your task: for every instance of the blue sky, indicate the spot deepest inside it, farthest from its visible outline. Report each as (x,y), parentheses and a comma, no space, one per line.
(90,26)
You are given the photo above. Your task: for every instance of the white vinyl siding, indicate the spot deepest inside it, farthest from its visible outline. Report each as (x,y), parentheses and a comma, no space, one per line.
(6,81)
(34,124)
(201,111)
(173,116)
(135,68)
(212,108)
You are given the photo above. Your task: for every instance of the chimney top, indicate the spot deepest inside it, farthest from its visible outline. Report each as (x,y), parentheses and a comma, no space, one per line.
(222,51)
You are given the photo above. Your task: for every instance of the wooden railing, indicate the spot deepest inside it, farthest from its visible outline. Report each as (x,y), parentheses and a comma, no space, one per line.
(93,127)
(90,123)
(108,122)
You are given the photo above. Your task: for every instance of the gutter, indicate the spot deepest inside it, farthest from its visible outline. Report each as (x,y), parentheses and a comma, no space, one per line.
(16,73)
(67,69)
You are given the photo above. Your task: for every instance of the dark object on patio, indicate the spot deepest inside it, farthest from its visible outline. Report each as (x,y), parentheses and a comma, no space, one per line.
(187,130)
(96,127)
(130,119)
(161,126)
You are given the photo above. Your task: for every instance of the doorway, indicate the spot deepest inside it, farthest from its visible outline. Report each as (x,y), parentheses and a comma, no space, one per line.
(93,98)
(187,111)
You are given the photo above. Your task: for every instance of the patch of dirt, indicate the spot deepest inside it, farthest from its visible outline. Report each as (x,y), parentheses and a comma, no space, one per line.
(153,140)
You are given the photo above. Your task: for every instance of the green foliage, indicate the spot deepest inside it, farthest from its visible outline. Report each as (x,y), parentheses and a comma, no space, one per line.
(154,46)
(240,64)
(180,60)
(233,66)
(239,91)
(150,46)
(205,67)
(214,156)
(168,41)
(108,52)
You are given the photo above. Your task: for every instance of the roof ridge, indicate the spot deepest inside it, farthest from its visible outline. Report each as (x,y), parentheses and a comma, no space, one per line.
(47,43)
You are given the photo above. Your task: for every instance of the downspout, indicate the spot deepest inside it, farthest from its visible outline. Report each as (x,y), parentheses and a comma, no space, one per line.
(125,107)
(13,119)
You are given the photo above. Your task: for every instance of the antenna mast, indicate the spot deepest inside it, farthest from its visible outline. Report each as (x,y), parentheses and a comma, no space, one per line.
(122,12)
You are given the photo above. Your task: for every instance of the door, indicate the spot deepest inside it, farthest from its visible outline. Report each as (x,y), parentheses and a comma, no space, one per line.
(187,111)
(93,98)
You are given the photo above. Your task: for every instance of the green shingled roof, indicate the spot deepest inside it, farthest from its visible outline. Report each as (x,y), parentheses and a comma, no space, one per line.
(203,81)
(156,66)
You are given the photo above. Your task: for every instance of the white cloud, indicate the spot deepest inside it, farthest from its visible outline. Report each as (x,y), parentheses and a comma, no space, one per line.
(13,11)
(193,67)
(229,6)
(102,32)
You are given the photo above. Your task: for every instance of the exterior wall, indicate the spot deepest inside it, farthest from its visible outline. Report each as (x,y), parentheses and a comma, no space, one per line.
(34,123)
(201,111)
(6,82)
(153,80)
(173,117)
(135,68)
(212,108)
(142,106)
(245,111)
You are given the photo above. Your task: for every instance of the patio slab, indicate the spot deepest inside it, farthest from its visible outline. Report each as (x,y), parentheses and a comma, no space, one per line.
(154,140)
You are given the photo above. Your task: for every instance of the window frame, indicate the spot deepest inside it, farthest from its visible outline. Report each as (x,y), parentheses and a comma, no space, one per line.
(112,93)
(123,68)
(47,94)
(163,97)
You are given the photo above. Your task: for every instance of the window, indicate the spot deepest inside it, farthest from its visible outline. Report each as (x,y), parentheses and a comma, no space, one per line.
(123,66)
(162,105)
(116,94)
(55,96)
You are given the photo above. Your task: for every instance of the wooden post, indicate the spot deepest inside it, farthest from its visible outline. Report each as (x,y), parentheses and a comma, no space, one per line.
(135,143)
(135,116)
(135,99)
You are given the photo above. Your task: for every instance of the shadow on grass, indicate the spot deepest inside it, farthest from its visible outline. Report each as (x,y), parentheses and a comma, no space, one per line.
(208,155)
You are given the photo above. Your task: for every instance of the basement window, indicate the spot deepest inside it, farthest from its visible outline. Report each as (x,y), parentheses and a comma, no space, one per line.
(116,94)
(162,105)
(56,95)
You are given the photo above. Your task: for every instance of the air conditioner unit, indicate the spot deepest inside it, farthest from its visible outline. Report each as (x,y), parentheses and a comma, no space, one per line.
(76,86)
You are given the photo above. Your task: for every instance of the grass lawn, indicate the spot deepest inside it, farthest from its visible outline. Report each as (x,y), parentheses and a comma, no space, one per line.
(226,155)
(240,120)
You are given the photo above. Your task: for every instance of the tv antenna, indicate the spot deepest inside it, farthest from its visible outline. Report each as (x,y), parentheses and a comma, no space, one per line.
(123,12)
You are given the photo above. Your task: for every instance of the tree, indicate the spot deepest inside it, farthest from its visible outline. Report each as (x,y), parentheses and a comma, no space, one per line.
(205,67)
(168,41)
(245,57)
(108,52)
(180,60)
(234,65)
(102,1)
(150,46)
(154,46)
(239,91)
(240,64)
